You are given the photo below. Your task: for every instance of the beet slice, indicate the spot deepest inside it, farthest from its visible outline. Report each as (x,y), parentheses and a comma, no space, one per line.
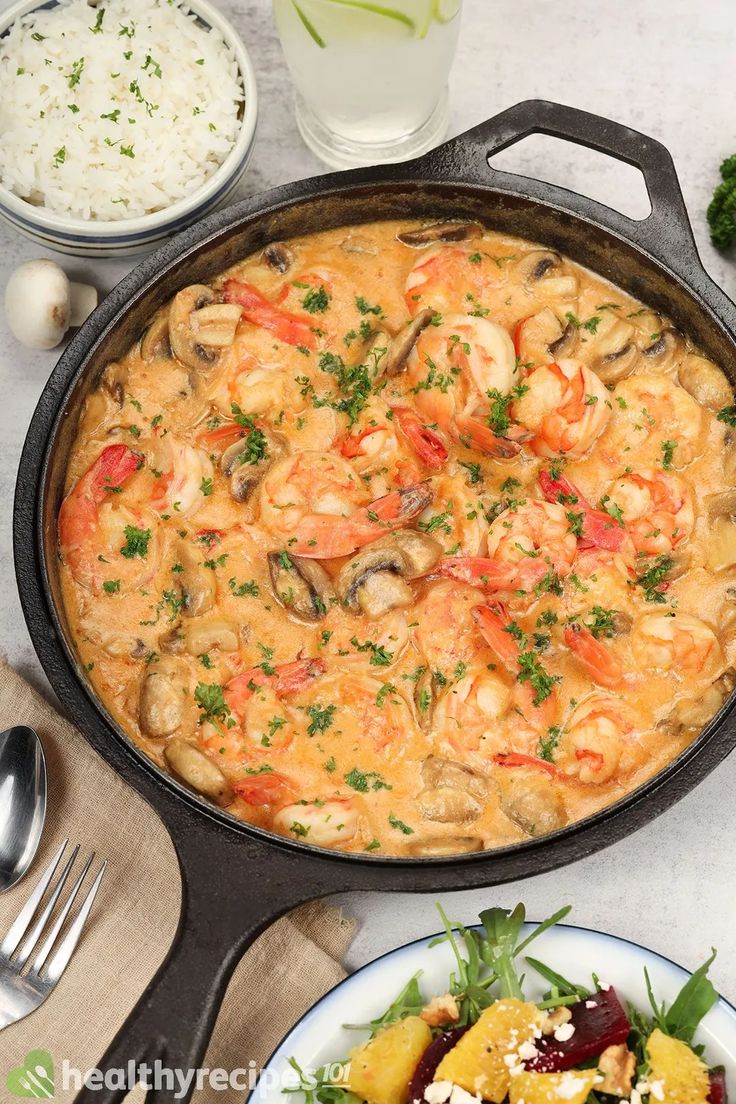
(428,1063)
(718,1093)
(600,1021)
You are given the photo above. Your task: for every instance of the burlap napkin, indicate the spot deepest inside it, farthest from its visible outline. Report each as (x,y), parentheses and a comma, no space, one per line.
(134,919)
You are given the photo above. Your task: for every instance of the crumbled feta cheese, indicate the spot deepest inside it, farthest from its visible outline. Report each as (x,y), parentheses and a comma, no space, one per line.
(656,1088)
(438,1092)
(635,1097)
(591,1004)
(511,1059)
(569,1086)
(564,1032)
(642,1087)
(527,1051)
(604,986)
(461,1096)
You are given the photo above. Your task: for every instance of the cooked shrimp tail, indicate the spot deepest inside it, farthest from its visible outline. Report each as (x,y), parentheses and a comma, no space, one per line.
(599,529)
(597,660)
(324,536)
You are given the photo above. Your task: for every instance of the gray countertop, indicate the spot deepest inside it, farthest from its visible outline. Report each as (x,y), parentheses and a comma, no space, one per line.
(666,68)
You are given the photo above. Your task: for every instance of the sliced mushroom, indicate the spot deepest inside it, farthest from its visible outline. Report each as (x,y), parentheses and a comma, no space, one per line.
(301,586)
(374,580)
(355,243)
(185,344)
(198,771)
(721,539)
(161,703)
(449,806)
(245,473)
(438,772)
(205,634)
(214,326)
(664,349)
(105,399)
(541,271)
(531,801)
(114,381)
(278,256)
(195,582)
(400,346)
(446,845)
(706,382)
(692,714)
(155,341)
(425,692)
(567,342)
(616,352)
(440,232)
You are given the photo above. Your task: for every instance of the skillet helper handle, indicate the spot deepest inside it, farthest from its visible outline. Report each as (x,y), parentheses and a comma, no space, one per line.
(666,233)
(226,904)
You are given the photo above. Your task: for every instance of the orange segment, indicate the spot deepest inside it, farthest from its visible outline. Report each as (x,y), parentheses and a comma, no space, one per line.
(684,1078)
(477,1064)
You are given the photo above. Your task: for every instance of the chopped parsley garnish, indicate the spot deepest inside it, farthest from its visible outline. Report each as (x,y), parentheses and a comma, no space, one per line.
(320,718)
(111,586)
(668,452)
(136,543)
(473,470)
(363,781)
(612,509)
(727,415)
(206,487)
(317,300)
(365,307)
(210,697)
(548,743)
(379,656)
(256,445)
(575,521)
(603,622)
(249,589)
(400,825)
(531,671)
(652,579)
(386,689)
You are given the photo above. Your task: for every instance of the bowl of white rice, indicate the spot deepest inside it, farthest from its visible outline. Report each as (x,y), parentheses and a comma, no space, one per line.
(121,123)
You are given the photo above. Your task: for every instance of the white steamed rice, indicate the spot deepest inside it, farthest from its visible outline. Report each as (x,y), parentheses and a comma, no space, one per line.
(114,115)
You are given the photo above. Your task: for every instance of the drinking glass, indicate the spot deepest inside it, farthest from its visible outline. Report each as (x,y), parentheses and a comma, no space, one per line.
(371,78)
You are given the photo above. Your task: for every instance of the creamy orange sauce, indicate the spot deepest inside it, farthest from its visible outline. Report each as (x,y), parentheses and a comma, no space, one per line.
(558,634)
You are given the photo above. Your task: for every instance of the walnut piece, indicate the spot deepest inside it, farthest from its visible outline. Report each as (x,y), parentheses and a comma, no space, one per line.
(618,1065)
(440,1011)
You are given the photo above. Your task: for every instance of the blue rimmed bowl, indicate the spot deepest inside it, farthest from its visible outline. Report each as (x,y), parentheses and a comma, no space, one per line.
(320,1038)
(126,237)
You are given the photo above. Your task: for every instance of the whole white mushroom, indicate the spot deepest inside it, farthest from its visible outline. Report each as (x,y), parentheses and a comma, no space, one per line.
(41,303)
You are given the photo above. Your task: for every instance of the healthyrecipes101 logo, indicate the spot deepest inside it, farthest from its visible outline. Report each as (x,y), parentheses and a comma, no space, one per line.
(34,1078)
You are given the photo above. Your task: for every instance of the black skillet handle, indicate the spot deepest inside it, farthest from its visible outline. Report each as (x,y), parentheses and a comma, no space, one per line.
(666,233)
(232,890)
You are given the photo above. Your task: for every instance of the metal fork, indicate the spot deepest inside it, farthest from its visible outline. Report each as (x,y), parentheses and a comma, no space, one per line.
(22,987)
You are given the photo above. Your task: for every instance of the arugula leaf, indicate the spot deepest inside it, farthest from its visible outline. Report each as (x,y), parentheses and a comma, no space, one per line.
(409,1002)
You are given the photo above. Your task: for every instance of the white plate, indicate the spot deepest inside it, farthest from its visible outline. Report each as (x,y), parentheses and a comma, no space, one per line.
(576,953)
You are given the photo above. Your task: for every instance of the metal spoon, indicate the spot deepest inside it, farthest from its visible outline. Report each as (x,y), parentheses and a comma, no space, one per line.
(22,801)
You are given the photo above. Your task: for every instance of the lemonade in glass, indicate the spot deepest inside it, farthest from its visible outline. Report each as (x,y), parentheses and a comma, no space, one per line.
(371,78)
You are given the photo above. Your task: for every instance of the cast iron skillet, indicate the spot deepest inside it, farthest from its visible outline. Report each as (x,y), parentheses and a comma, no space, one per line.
(236,879)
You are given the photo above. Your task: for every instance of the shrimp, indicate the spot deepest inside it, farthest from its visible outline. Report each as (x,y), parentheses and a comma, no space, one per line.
(593,742)
(382,641)
(290,328)
(316,504)
(565,406)
(267,787)
(324,823)
(525,545)
(185,474)
(255,701)
(534,696)
(100,537)
(428,445)
(597,528)
(371,448)
(455,519)
(658,420)
(472,709)
(445,279)
(597,659)
(453,367)
(657,509)
(255,386)
(676,640)
(445,634)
